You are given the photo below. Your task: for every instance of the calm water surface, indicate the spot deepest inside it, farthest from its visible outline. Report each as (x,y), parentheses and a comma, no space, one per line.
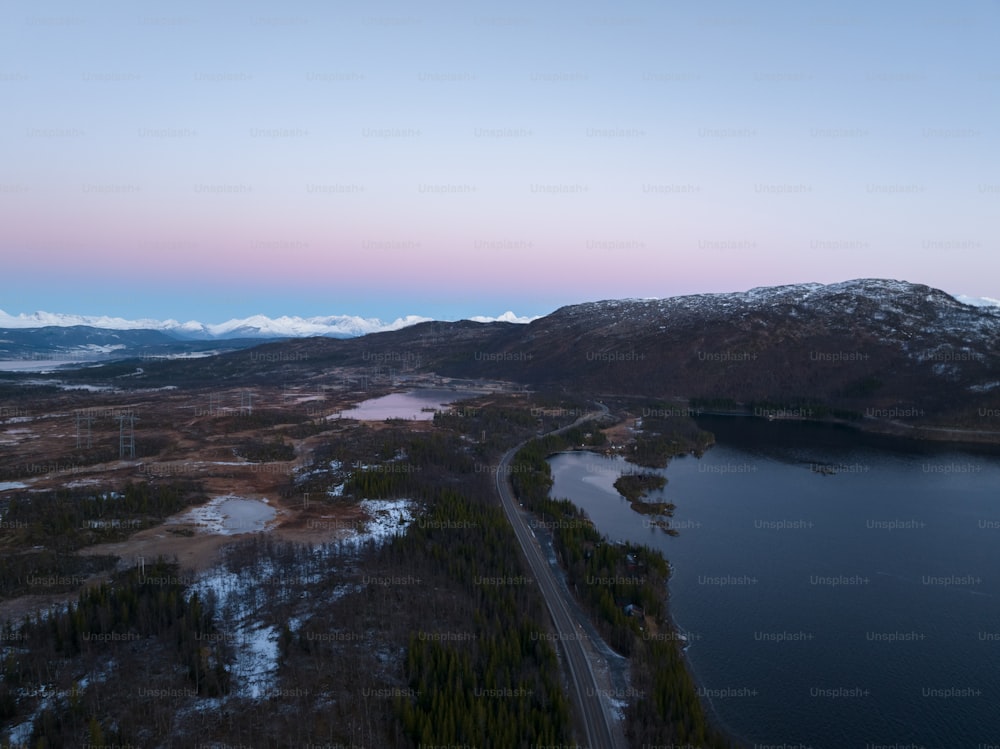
(858,609)
(406,405)
(245,515)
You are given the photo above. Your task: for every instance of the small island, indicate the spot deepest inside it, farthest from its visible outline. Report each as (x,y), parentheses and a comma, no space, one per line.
(635,486)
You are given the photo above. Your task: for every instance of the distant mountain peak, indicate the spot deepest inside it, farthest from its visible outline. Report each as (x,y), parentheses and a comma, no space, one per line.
(981,301)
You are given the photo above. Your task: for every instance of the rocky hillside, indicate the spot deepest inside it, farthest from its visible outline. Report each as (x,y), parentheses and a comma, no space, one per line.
(874,347)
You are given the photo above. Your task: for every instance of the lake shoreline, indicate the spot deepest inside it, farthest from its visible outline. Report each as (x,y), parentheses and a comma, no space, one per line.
(715,720)
(871,425)
(752,527)
(671,630)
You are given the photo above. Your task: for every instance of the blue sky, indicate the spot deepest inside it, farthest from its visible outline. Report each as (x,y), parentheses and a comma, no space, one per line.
(446,159)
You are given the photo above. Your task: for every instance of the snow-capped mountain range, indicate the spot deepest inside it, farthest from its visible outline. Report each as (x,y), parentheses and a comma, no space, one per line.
(332,326)
(257,326)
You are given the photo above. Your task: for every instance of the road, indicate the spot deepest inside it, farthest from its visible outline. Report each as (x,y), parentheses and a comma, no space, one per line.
(600,727)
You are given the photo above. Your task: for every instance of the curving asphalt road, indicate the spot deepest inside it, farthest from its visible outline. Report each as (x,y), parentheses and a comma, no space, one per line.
(600,727)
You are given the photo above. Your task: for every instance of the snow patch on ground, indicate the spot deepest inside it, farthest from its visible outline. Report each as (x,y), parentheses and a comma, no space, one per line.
(945,370)
(303,472)
(240,598)
(257,660)
(255,645)
(984,387)
(309,398)
(387,518)
(618,708)
(6,485)
(21,733)
(82,482)
(53,699)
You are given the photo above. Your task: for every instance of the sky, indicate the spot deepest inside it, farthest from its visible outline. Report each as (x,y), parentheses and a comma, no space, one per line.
(207,161)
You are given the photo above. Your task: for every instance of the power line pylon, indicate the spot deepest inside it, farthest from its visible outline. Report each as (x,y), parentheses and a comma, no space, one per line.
(126,435)
(246,402)
(84,420)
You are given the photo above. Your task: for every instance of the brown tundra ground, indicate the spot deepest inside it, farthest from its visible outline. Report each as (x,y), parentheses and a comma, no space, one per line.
(182,433)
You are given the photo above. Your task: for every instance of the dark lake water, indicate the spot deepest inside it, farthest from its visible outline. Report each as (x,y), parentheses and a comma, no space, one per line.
(838,589)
